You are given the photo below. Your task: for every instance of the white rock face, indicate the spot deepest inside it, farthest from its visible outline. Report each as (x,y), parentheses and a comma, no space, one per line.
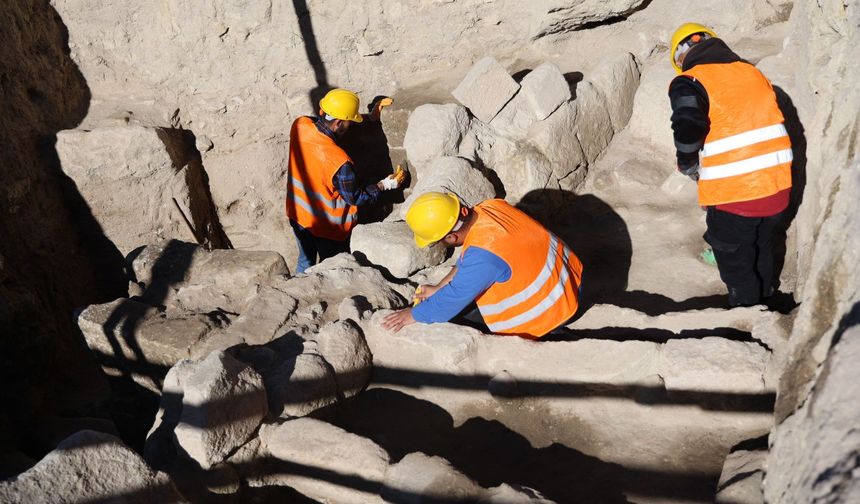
(343,346)
(392,246)
(740,481)
(431,478)
(223,402)
(90,466)
(713,364)
(312,447)
(545,88)
(434,131)
(486,89)
(453,175)
(189,278)
(133,178)
(618,80)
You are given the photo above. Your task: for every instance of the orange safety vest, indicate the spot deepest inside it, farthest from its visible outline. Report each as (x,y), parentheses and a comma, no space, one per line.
(312,199)
(747,152)
(543,290)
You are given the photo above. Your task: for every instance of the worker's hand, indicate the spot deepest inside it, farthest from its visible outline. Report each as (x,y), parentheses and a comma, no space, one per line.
(377,105)
(398,320)
(423,292)
(393,181)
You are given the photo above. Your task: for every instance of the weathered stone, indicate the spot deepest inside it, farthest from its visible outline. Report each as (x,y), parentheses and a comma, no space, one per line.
(504,493)
(562,16)
(129,337)
(713,364)
(392,246)
(651,109)
(90,467)
(263,316)
(741,479)
(453,175)
(618,80)
(311,447)
(515,118)
(422,478)
(434,131)
(528,170)
(546,89)
(300,385)
(486,89)
(186,277)
(151,167)
(223,402)
(555,139)
(593,125)
(160,448)
(342,345)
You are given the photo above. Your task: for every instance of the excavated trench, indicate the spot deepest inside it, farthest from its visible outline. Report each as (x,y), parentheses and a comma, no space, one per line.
(213,355)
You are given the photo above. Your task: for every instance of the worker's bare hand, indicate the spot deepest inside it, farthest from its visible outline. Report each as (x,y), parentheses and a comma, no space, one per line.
(398,320)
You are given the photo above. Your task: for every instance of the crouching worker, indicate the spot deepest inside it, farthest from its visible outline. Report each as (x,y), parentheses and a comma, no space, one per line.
(523,279)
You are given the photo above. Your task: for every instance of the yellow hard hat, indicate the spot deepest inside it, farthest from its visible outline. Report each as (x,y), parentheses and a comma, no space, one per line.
(341,104)
(432,216)
(681,34)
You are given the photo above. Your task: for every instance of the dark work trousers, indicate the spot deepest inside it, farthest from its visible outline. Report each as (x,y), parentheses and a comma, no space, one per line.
(743,248)
(312,247)
(471,317)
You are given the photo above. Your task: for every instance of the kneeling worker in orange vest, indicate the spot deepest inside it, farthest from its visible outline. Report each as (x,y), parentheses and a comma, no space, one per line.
(322,190)
(730,138)
(524,280)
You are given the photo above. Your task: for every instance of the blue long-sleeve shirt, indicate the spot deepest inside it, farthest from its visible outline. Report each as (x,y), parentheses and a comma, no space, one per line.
(477,270)
(345,179)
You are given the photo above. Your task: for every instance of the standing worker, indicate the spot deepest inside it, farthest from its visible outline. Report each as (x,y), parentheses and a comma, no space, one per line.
(730,137)
(524,280)
(322,188)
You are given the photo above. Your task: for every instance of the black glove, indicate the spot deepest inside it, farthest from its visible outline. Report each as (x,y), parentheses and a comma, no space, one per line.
(691,171)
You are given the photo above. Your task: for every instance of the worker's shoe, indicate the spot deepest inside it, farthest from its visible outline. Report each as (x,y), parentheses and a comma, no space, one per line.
(738,298)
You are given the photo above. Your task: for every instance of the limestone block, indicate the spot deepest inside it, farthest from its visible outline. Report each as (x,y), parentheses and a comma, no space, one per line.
(343,346)
(505,493)
(328,283)
(188,278)
(129,177)
(433,131)
(392,246)
(454,175)
(127,336)
(555,138)
(741,478)
(395,122)
(526,171)
(593,125)
(263,316)
(515,118)
(485,89)
(617,80)
(90,466)
(651,108)
(160,449)
(300,385)
(545,88)
(713,364)
(223,402)
(433,478)
(311,447)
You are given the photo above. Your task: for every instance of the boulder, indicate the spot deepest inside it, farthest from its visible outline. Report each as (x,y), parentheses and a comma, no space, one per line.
(160,447)
(433,131)
(486,89)
(392,246)
(713,364)
(651,108)
(323,462)
(454,175)
(422,478)
(741,479)
(299,385)
(132,338)
(593,125)
(141,184)
(554,139)
(223,403)
(344,348)
(90,466)
(545,88)
(562,16)
(515,118)
(188,278)
(262,317)
(617,80)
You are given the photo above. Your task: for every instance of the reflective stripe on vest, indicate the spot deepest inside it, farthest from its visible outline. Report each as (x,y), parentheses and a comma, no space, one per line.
(547,302)
(328,213)
(747,152)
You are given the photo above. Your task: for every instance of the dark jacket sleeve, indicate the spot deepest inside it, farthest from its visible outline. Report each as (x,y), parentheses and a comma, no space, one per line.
(689,119)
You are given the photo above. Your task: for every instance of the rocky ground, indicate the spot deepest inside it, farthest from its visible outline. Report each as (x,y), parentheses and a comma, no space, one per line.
(232,380)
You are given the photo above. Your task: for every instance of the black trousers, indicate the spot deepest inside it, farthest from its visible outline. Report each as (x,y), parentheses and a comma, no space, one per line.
(743,248)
